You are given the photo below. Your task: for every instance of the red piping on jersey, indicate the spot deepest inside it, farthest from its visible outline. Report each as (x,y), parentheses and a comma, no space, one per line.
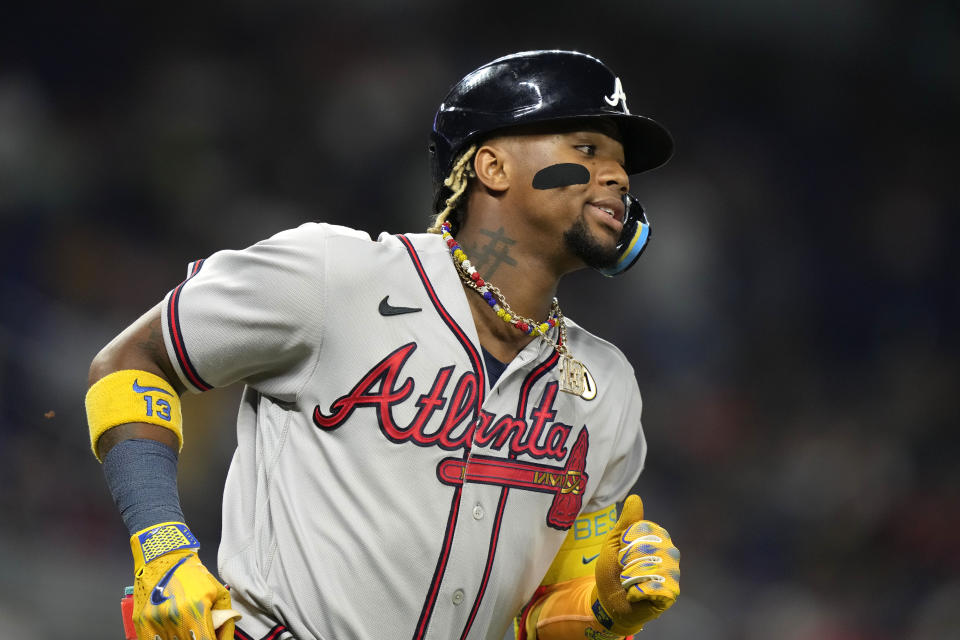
(528,383)
(473,354)
(176,334)
(273,634)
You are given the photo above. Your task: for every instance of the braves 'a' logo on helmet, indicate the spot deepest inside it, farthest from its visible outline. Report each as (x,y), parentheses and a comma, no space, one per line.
(617,97)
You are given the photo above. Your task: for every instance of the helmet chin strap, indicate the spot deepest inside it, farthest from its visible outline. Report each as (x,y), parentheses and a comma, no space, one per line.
(633,238)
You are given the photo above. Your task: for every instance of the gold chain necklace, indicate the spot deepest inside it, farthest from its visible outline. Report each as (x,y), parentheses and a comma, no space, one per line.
(574,376)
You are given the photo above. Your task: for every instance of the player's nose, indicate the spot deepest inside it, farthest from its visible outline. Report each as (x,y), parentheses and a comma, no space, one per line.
(612,174)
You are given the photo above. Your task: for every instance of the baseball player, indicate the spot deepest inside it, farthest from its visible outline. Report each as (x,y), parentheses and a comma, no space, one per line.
(426,447)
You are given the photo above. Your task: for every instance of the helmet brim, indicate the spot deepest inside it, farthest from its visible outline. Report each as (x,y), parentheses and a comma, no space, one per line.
(647,144)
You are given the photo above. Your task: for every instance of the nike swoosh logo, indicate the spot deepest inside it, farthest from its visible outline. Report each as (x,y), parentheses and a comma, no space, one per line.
(387,309)
(138,389)
(587,560)
(156,596)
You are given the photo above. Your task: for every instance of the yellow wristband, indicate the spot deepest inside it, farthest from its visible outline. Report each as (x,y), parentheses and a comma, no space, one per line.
(132,396)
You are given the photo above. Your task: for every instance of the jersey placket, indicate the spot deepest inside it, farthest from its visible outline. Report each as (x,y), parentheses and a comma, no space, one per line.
(487,484)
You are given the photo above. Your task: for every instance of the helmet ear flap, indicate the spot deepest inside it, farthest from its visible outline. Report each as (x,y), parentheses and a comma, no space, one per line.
(633,239)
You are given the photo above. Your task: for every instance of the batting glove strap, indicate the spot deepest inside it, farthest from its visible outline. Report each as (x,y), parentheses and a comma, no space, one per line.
(151,543)
(601,615)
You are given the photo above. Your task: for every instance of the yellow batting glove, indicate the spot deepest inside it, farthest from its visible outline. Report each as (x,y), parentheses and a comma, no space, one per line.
(637,573)
(175,597)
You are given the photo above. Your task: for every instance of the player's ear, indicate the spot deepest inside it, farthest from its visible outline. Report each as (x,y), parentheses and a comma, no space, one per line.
(490,164)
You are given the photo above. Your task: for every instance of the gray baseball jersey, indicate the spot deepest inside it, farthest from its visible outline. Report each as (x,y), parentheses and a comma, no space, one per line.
(381,487)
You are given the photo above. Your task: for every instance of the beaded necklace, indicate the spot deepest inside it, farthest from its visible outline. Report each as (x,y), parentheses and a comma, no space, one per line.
(574,377)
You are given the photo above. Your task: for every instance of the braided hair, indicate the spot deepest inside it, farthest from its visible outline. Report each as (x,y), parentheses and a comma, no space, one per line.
(457,182)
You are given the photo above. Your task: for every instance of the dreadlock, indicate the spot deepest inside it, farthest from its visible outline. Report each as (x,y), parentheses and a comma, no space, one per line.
(457,182)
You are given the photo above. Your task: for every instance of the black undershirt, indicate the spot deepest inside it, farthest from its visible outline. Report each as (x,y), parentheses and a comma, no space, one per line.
(494,367)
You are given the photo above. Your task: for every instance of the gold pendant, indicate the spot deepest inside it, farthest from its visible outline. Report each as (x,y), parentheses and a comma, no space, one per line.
(576,379)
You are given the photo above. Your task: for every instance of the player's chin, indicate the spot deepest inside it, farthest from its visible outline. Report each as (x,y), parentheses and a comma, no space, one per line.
(597,249)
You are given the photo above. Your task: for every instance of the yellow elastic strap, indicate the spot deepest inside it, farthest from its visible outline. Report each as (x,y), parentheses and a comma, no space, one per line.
(132,396)
(578,554)
(151,543)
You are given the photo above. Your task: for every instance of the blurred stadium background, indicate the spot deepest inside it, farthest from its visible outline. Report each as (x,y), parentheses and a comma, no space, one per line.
(793,325)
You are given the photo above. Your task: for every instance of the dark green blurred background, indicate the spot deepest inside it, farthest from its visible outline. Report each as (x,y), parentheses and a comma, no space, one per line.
(793,324)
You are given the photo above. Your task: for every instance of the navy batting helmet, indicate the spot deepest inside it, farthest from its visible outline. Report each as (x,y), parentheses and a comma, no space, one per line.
(544,86)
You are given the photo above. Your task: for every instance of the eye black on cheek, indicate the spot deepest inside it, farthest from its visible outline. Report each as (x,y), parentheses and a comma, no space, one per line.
(561,175)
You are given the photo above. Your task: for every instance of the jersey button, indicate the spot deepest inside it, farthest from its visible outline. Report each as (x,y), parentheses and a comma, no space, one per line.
(457,596)
(477,512)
